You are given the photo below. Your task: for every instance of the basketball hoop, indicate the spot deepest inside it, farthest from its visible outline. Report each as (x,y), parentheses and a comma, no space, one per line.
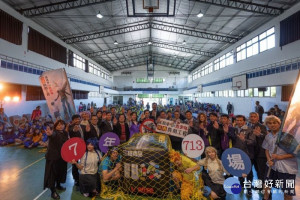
(151,5)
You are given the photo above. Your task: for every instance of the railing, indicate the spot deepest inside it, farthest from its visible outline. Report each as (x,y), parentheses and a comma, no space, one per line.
(21,64)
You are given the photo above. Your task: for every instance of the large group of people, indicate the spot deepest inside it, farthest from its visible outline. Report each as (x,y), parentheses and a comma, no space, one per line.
(218,131)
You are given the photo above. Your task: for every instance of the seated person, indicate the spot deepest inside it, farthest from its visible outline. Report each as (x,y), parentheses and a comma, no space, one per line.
(34,140)
(214,179)
(44,140)
(89,182)
(111,166)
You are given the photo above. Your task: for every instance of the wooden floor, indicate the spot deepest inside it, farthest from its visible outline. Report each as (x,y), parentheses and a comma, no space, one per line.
(22,172)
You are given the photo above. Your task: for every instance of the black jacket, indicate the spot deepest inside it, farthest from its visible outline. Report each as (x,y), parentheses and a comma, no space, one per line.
(93,133)
(118,130)
(56,140)
(106,127)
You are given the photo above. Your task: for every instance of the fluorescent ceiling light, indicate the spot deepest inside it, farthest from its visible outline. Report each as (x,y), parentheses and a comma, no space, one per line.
(200,15)
(115,42)
(184,42)
(149,43)
(99,15)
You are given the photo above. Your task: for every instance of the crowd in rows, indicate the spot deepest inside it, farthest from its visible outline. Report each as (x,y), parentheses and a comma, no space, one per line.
(218,131)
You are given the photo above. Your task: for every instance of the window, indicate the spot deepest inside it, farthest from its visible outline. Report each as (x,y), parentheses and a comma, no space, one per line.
(250,90)
(225,94)
(231,93)
(217,64)
(158,80)
(242,93)
(79,62)
(34,93)
(220,93)
(273,91)
(267,93)
(94,69)
(255,92)
(246,93)
(229,58)
(260,43)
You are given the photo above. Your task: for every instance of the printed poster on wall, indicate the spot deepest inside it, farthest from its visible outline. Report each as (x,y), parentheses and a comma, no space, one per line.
(58,94)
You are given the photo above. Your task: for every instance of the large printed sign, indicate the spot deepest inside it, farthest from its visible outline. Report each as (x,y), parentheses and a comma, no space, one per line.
(172,128)
(58,94)
(148,126)
(192,146)
(236,162)
(74,148)
(107,140)
(290,137)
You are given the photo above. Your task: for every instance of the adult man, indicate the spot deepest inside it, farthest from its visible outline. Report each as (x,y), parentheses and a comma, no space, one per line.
(245,140)
(227,132)
(193,124)
(260,110)
(95,129)
(229,108)
(77,130)
(107,125)
(260,131)
(182,117)
(214,133)
(154,113)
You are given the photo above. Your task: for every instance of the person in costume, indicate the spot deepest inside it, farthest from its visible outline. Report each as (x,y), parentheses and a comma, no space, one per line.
(215,176)
(89,182)
(185,182)
(111,166)
(56,167)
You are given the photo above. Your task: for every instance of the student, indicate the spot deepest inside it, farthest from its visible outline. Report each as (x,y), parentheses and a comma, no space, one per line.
(215,177)
(35,140)
(89,182)
(284,166)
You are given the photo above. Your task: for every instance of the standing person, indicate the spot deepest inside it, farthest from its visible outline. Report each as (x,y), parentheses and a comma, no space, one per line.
(94,133)
(202,119)
(77,130)
(214,133)
(154,114)
(80,107)
(260,131)
(36,114)
(227,132)
(134,125)
(194,126)
(148,106)
(260,110)
(182,117)
(176,141)
(89,178)
(56,167)
(283,165)
(122,129)
(107,125)
(229,108)
(169,115)
(99,115)
(245,140)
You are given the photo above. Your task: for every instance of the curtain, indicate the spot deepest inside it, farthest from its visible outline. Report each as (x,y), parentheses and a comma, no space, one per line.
(10,28)
(290,29)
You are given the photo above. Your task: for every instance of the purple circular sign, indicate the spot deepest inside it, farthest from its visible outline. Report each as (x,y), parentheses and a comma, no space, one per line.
(108,140)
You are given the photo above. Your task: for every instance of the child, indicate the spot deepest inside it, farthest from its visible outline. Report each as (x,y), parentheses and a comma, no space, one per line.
(214,179)
(34,140)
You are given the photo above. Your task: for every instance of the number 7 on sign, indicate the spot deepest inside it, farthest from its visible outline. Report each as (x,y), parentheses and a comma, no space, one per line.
(73,145)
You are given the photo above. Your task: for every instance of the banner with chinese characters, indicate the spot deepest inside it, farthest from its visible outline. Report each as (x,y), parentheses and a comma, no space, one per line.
(58,94)
(290,134)
(172,128)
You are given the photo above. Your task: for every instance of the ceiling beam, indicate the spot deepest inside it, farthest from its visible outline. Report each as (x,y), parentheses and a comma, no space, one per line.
(58,7)
(162,63)
(245,6)
(157,25)
(158,44)
(154,55)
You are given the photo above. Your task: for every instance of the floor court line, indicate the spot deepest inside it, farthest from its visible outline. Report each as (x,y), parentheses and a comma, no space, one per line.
(19,172)
(45,190)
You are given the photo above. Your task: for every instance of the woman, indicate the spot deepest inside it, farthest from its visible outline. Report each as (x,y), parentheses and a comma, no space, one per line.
(89,181)
(134,126)
(99,115)
(214,178)
(122,129)
(202,128)
(35,140)
(56,167)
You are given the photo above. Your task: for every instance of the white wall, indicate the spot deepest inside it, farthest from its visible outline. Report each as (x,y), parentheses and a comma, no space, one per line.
(264,59)
(21,53)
